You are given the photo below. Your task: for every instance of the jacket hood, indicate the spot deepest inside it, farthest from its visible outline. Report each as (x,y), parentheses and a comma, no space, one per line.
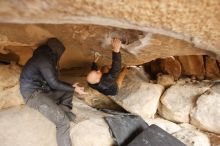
(56,46)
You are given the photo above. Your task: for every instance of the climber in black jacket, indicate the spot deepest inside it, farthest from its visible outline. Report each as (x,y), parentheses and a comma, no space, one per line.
(41,89)
(108,82)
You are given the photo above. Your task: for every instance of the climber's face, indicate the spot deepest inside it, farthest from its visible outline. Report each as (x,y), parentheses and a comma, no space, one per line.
(94,77)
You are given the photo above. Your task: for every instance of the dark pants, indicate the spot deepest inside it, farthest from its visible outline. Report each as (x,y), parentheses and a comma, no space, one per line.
(49,104)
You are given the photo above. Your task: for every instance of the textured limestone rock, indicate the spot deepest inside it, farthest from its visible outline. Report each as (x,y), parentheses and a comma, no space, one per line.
(190,21)
(10,97)
(211,68)
(192,65)
(84,112)
(9,86)
(22,126)
(214,139)
(192,137)
(139,97)
(166,125)
(97,100)
(137,74)
(179,99)
(171,66)
(9,76)
(165,80)
(89,129)
(23,39)
(92,132)
(206,114)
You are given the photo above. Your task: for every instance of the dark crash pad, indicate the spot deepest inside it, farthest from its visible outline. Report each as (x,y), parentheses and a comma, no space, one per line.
(155,136)
(125,127)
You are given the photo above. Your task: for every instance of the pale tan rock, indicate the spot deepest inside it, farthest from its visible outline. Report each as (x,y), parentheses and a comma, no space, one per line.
(92,132)
(139,97)
(23,126)
(84,112)
(184,80)
(206,114)
(191,136)
(178,100)
(211,68)
(165,80)
(166,125)
(192,65)
(9,76)
(11,97)
(137,74)
(89,127)
(9,86)
(98,100)
(89,38)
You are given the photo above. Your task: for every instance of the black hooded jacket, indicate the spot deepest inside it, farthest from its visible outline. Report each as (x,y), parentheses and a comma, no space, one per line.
(107,84)
(40,73)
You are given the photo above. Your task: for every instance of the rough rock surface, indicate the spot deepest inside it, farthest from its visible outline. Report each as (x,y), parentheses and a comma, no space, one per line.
(89,128)
(211,68)
(9,76)
(23,126)
(171,66)
(206,114)
(191,136)
(179,99)
(192,65)
(214,139)
(139,97)
(166,125)
(9,86)
(190,21)
(137,74)
(165,80)
(85,112)
(138,47)
(92,132)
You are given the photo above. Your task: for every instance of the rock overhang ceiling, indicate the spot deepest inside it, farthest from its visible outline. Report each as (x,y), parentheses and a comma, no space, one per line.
(164,28)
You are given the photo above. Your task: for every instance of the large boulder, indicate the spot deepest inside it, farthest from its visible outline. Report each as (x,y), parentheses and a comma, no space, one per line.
(23,126)
(139,97)
(166,125)
(84,112)
(206,114)
(191,136)
(89,128)
(138,74)
(91,132)
(179,99)
(9,86)
(9,76)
